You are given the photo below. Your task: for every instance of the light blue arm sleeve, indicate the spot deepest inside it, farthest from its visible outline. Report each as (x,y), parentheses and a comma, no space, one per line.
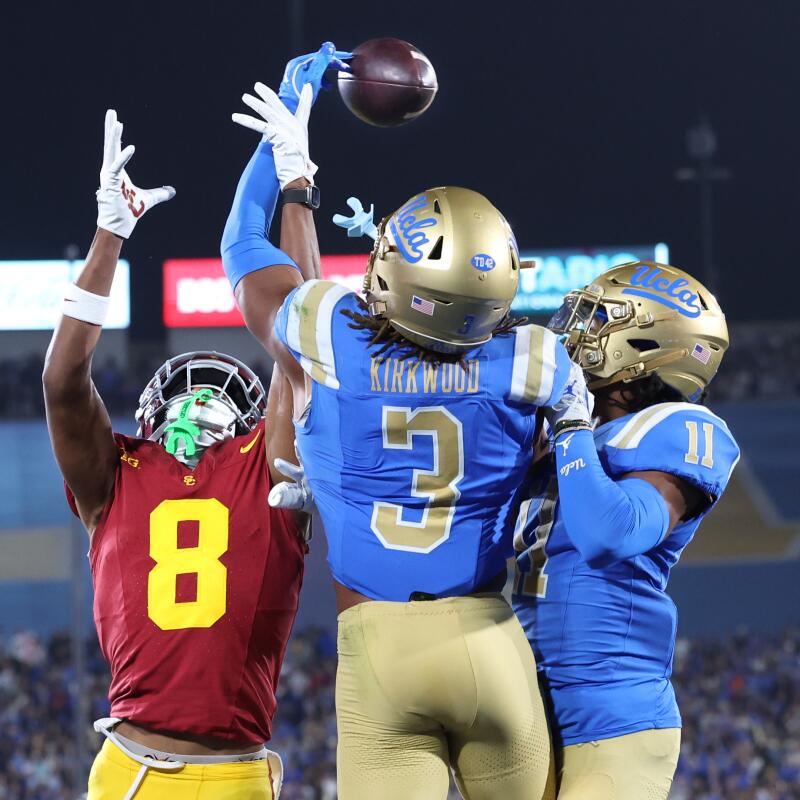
(245,247)
(607,520)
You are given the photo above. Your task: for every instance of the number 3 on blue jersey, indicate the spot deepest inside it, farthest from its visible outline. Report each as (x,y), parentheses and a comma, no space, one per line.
(439,485)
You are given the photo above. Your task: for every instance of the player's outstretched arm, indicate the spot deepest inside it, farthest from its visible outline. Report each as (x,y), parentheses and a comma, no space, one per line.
(609,520)
(261,274)
(299,241)
(79,425)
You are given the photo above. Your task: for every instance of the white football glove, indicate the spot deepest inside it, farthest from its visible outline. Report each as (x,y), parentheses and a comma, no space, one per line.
(286,132)
(294,494)
(120,203)
(576,403)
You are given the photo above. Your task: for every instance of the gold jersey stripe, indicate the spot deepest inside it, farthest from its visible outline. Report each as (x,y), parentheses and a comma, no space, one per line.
(533,380)
(642,423)
(308,313)
(636,424)
(534,365)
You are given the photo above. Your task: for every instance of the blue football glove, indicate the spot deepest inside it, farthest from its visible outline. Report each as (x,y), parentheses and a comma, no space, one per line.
(360,224)
(310,69)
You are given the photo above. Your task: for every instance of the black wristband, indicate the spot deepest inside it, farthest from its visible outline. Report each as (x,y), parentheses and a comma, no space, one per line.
(308,196)
(571,425)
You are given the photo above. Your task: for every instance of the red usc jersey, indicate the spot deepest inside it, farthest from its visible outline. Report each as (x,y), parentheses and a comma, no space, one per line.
(196,585)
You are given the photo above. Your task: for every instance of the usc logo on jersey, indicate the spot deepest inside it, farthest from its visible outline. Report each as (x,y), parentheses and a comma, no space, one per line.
(189,480)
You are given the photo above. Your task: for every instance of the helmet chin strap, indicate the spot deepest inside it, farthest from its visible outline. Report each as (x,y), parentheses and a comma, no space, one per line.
(638,370)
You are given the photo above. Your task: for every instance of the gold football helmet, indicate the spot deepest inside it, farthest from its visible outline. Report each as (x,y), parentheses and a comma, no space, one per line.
(643,318)
(444,269)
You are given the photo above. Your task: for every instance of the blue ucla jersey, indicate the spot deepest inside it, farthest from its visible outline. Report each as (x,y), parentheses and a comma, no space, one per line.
(604,636)
(416,467)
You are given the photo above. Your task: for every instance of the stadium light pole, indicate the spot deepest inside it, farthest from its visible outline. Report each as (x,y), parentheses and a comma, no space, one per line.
(701,145)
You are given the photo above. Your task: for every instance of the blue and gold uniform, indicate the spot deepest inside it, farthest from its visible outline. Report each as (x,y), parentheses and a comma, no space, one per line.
(603,633)
(416,469)
(415,466)
(604,636)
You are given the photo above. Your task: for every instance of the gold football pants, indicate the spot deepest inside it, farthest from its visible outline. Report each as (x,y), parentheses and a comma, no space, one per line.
(637,766)
(114,773)
(426,686)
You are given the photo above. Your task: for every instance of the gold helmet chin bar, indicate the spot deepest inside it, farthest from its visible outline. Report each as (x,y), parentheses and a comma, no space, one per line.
(638,370)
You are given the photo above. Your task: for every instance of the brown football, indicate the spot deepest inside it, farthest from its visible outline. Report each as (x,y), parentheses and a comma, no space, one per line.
(392,82)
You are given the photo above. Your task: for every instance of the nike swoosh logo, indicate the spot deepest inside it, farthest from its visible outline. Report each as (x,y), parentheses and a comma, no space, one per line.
(246,448)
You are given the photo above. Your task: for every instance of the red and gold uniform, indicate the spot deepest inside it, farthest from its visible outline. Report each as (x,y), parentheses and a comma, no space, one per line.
(196,585)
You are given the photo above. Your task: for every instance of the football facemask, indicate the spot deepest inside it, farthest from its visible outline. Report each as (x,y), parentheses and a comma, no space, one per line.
(643,318)
(198,399)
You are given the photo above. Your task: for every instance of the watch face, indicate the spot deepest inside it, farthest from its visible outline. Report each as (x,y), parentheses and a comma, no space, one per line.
(313,196)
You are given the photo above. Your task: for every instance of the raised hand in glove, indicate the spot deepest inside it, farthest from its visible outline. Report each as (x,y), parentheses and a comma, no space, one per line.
(294,494)
(310,69)
(574,408)
(285,131)
(120,203)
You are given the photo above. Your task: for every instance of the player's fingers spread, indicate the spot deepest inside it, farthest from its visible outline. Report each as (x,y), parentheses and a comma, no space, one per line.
(246,121)
(340,59)
(259,106)
(122,159)
(268,96)
(113,142)
(108,137)
(116,137)
(161,195)
(288,469)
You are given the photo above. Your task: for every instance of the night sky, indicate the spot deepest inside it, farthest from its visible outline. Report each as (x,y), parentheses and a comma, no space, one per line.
(571,116)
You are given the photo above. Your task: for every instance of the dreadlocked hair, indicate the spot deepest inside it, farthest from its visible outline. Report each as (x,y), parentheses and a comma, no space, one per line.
(643,393)
(388,338)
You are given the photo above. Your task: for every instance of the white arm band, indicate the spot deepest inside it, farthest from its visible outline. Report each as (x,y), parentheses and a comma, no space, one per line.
(85,306)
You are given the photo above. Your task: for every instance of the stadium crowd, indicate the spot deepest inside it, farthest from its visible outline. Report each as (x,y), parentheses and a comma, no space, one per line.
(739,695)
(759,366)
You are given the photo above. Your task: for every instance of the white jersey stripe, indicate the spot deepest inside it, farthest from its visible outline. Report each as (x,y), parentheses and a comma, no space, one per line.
(519,372)
(548,367)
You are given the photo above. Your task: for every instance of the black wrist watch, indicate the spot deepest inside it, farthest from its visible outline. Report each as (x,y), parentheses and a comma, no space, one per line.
(308,196)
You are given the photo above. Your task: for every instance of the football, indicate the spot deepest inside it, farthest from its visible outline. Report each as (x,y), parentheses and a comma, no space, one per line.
(391,83)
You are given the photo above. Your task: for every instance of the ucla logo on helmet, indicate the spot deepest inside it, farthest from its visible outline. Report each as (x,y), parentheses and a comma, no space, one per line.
(652,283)
(408,229)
